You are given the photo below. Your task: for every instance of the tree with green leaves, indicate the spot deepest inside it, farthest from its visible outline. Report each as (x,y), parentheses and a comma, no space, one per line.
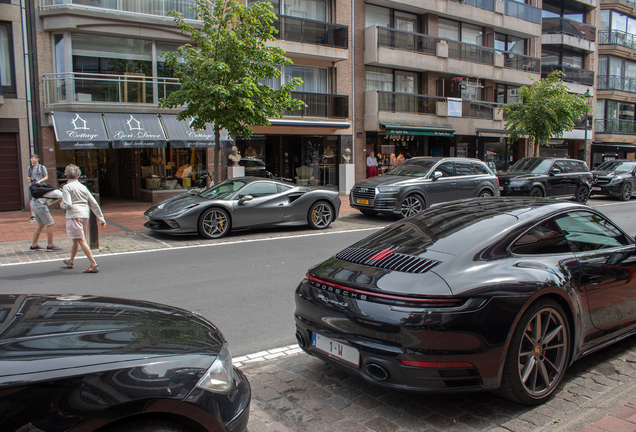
(221,73)
(545,110)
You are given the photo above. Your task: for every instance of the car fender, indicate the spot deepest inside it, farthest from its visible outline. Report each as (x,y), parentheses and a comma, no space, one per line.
(540,185)
(299,208)
(414,190)
(229,208)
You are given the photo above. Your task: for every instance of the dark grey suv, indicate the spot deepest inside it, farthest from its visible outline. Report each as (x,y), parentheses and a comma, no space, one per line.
(421,182)
(615,178)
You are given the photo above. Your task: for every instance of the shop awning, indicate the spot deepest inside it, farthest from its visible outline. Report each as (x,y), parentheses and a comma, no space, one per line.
(441,131)
(135,130)
(77,131)
(181,135)
(492,133)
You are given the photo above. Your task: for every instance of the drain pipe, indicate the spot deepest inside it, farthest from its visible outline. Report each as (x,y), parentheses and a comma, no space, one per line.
(27,76)
(353,84)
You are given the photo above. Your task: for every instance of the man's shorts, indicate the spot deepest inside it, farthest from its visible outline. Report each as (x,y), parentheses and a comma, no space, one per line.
(41,213)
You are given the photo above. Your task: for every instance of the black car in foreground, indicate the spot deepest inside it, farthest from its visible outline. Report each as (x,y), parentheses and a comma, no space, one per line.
(615,178)
(84,363)
(421,182)
(483,294)
(547,177)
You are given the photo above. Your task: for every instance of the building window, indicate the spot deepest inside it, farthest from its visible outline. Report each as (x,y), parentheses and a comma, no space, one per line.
(7,67)
(509,43)
(461,32)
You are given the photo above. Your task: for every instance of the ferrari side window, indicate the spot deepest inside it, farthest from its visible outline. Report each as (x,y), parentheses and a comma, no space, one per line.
(545,238)
(587,231)
(259,189)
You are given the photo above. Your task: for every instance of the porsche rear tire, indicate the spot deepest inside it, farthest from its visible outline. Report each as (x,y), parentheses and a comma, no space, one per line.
(214,223)
(320,215)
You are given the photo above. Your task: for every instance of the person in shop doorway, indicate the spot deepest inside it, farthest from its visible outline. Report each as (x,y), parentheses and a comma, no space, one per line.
(372,165)
(43,217)
(399,158)
(36,173)
(392,161)
(78,201)
(407,155)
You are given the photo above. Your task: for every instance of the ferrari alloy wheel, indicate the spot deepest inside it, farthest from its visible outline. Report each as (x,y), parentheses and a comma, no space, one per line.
(582,194)
(411,205)
(536,193)
(538,354)
(214,223)
(626,192)
(320,215)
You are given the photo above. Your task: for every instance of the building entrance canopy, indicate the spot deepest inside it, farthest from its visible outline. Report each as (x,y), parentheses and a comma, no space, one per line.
(79,131)
(392,129)
(135,131)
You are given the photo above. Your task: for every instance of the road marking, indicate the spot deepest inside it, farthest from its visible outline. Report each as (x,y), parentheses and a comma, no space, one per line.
(172,248)
(158,241)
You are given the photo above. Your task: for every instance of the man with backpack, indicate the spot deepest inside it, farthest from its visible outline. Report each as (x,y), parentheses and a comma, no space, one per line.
(36,173)
(40,193)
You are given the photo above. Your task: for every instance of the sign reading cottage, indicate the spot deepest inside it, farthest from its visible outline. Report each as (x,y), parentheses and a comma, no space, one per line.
(79,131)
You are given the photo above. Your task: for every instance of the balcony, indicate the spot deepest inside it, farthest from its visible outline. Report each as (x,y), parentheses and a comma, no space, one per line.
(572,74)
(620,127)
(522,11)
(322,105)
(404,108)
(561,31)
(397,48)
(617,37)
(147,7)
(618,83)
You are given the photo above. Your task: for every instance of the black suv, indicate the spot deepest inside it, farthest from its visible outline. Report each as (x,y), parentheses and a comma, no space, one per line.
(547,177)
(421,182)
(615,178)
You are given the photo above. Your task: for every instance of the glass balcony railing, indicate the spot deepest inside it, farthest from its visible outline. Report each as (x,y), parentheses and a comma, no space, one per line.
(425,44)
(572,74)
(614,82)
(422,104)
(522,11)
(322,105)
(150,7)
(312,32)
(568,27)
(617,37)
(483,4)
(626,127)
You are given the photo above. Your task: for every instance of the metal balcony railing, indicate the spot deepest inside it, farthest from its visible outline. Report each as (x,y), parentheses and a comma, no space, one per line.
(150,7)
(614,82)
(426,44)
(312,32)
(568,27)
(617,37)
(322,105)
(627,127)
(422,104)
(522,11)
(572,74)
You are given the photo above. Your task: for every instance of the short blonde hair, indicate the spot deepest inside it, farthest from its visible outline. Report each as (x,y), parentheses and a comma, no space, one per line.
(72,172)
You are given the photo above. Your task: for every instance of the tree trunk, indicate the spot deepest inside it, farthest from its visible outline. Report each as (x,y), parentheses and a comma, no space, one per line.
(537,143)
(217,154)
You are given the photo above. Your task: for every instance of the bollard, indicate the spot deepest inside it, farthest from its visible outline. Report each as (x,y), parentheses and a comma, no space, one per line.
(93,232)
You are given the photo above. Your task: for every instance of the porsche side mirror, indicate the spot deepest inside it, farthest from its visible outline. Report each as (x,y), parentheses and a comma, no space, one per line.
(436,175)
(245,199)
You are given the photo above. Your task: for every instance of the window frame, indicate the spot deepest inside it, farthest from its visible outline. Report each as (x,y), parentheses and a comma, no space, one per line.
(10,91)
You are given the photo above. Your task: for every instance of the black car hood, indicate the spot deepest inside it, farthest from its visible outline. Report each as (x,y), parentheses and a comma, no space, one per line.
(508,177)
(86,330)
(376,181)
(610,173)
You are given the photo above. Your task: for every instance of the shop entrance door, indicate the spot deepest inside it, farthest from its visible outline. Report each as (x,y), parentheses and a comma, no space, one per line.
(10,186)
(117,175)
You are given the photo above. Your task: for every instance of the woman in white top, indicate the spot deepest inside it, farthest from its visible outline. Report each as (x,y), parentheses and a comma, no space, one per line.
(78,202)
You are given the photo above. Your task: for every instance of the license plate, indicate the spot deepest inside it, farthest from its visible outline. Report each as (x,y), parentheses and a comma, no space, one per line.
(500,188)
(336,349)
(596,188)
(362,201)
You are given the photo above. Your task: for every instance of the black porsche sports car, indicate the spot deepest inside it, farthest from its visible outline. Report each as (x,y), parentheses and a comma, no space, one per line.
(244,202)
(86,363)
(483,294)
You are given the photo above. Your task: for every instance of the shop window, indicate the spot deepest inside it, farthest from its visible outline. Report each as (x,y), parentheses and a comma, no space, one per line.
(168,169)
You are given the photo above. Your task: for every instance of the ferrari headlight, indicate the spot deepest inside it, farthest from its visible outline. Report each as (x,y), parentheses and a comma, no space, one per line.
(218,377)
(160,206)
(389,189)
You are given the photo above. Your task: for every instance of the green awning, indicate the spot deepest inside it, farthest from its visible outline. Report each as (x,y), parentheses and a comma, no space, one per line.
(419,130)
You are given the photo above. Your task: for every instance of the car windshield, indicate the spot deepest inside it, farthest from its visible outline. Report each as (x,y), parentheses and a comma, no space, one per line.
(224,190)
(616,166)
(531,166)
(413,168)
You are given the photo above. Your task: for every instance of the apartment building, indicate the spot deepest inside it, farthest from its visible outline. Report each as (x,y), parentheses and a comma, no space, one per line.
(615,125)
(568,44)
(102,75)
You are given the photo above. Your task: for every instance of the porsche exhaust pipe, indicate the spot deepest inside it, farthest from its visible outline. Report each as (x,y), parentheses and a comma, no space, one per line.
(377,372)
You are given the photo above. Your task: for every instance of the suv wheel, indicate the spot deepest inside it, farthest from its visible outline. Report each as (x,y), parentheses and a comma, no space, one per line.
(582,194)
(536,193)
(411,205)
(626,192)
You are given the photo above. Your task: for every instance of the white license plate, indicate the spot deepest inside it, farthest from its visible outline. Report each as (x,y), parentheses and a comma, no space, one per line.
(336,349)
(596,188)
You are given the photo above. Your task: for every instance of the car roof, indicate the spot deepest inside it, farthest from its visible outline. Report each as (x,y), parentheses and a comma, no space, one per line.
(435,158)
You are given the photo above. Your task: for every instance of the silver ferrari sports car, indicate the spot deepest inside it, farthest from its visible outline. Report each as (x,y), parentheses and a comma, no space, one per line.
(241,203)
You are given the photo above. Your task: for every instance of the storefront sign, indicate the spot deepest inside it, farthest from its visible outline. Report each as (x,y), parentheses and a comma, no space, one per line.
(181,135)
(135,131)
(440,133)
(79,131)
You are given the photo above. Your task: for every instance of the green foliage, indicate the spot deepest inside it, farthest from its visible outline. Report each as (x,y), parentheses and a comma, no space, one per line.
(220,71)
(545,110)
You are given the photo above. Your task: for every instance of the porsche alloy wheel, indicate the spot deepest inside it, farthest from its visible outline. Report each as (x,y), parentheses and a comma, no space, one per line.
(411,205)
(214,223)
(320,215)
(538,354)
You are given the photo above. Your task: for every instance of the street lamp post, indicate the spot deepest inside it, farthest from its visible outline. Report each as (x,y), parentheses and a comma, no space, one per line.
(588,97)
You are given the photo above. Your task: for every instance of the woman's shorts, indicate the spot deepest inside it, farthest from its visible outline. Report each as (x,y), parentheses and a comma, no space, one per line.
(75,228)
